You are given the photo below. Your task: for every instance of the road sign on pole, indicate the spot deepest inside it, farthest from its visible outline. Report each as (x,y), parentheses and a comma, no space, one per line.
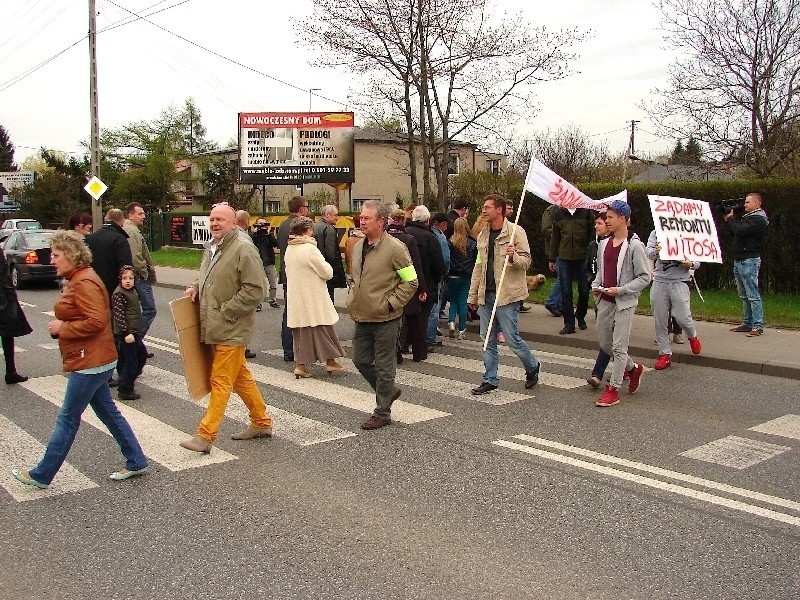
(95,188)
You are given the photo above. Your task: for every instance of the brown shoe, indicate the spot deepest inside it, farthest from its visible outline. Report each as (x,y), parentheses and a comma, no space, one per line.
(197,444)
(252,432)
(375,422)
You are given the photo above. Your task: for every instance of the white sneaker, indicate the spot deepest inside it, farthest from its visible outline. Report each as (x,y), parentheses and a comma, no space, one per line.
(462,334)
(451,326)
(677,338)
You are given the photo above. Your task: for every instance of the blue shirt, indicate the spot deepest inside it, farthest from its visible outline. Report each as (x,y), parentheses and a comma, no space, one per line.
(444,246)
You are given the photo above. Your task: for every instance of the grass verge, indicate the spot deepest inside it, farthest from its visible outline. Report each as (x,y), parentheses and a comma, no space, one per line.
(184,258)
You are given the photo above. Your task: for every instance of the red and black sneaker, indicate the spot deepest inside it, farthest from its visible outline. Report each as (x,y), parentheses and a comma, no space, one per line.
(695,344)
(664,360)
(609,398)
(635,377)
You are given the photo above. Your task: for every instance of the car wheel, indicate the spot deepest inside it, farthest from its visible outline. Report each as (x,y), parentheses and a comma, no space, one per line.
(16,281)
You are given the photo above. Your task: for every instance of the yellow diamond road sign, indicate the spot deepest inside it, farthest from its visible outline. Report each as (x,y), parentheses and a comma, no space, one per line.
(95,187)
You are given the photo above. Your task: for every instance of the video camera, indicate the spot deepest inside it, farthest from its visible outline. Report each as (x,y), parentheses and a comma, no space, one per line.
(730,204)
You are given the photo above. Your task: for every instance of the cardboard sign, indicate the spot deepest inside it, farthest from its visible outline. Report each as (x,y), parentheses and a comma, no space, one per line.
(685,229)
(195,355)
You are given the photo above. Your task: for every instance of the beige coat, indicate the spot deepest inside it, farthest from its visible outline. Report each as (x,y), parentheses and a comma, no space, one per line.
(515,288)
(230,287)
(308,303)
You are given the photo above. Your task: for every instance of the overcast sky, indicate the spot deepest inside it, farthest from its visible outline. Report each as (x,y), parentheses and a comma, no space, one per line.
(142,69)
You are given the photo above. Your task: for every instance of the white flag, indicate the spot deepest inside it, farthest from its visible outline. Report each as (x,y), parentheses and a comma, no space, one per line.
(545,184)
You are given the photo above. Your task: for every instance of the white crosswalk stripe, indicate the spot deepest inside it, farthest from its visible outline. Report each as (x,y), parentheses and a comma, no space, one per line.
(288,426)
(546,357)
(438,385)
(158,439)
(18,449)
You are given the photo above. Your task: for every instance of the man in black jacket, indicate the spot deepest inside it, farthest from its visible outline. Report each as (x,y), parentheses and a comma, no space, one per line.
(572,230)
(298,207)
(749,232)
(110,249)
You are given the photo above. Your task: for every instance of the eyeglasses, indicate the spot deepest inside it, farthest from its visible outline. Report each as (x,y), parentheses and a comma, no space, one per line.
(304,206)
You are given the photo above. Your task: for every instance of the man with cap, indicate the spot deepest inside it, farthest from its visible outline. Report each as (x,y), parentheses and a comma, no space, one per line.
(622,275)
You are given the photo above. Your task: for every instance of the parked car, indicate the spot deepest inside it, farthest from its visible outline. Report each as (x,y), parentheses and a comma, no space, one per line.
(20,224)
(28,256)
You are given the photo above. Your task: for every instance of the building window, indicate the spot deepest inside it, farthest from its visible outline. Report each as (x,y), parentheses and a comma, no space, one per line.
(357,203)
(493,166)
(274,206)
(452,165)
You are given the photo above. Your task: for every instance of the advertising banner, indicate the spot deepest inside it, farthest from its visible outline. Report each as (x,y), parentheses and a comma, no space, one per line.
(201,232)
(685,229)
(295,148)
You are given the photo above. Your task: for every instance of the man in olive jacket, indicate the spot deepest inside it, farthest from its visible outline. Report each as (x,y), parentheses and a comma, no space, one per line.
(384,280)
(573,229)
(230,286)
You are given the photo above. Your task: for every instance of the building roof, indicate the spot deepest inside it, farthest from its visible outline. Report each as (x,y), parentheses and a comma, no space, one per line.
(657,172)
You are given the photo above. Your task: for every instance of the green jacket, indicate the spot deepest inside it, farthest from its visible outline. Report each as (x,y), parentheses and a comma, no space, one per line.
(140,253)
(230,287)
(384,280)
(571,234)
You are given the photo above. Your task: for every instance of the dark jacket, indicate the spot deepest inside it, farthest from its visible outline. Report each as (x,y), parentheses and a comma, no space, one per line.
(283,241)
(461,265)
(126,311)
(433,267)
(398,232)
(110,252)
(591,257)
(266,244)
(12,320)
(749,232)
(451,219)
(571,234)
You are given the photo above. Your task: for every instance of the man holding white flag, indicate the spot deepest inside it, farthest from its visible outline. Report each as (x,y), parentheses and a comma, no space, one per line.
(495,243)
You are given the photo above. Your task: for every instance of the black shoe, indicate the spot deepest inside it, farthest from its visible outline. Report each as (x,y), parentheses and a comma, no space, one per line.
(150,355)
(273,304)
(128,397)
(12,378)
(113,382)
(567,330)
(525,308)
(288,359)
(554,311)
(483,388)
(581,324)
(249,353)
(258,308)
(436,343)
(532,377)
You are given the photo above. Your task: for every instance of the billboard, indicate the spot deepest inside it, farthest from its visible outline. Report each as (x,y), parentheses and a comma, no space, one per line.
(10,180)
(296,148)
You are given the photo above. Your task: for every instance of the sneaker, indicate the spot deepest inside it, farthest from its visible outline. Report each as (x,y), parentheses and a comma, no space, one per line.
(532,377)
(755,332)
(483,388)
(695,345)
(273,303)
(128,396)
(501,339)
(258,308)
(742,329)
(525,308)
(664,360)
(249,353)
(594,381)
(439,333)
(451,326)
(635,377)
(462,335)
(610,397)
(677,338)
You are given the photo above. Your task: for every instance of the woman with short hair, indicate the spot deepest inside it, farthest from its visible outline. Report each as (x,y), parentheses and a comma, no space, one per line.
(83,328)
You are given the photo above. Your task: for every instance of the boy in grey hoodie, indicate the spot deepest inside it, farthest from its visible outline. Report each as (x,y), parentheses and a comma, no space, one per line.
(622,274)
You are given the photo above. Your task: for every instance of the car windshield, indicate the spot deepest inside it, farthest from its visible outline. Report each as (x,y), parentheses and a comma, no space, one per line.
(29,225)
(37,239)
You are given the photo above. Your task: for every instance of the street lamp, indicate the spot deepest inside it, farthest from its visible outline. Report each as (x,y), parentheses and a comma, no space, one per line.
(309,96)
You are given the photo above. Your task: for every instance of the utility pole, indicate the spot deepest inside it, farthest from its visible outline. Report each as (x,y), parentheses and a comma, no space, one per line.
(94,150)
(631,147)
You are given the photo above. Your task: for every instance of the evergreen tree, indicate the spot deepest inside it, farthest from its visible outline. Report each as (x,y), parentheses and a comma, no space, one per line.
(6,152)
(678,154)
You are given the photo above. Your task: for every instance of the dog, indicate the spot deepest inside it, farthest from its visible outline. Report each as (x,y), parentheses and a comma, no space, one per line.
(535,281)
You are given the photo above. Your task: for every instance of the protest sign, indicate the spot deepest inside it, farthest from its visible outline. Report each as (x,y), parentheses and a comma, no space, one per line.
(685,229)
(547,185)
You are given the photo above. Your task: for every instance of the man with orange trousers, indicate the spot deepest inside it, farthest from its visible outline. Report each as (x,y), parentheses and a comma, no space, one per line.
(229,288)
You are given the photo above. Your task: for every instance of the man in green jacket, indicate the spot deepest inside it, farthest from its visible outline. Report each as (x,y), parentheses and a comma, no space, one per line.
(229,288)
(384,280)
(572,231)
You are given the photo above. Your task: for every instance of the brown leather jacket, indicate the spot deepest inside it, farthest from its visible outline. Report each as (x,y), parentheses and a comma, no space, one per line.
(85,339)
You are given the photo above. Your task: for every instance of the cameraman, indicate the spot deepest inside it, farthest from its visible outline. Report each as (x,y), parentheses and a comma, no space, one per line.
(749,231)
(266,243)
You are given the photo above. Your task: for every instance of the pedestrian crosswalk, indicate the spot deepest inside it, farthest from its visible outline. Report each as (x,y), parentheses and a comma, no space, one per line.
(442,392)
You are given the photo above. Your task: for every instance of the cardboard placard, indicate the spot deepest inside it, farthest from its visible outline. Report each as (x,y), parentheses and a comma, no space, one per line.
(195,355)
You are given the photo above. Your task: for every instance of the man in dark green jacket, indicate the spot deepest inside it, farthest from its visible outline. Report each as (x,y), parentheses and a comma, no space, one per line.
(572,231)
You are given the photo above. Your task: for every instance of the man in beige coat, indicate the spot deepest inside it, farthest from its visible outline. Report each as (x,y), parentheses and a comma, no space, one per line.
(230,286)
(495,243)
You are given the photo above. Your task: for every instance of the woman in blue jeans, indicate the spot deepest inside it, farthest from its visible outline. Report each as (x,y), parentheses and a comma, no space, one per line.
(83,328)
(463,252)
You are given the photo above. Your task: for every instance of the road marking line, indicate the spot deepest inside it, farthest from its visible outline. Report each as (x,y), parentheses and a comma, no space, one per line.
(551,357)
(27,304)
(48,346)
(19,449)
(49,313)
(787,426)
(736,452)
(639,466)
(158,439)
(17,350)
(437,385)
(403,412)
(654,483)
(288,426)
(169,349)
(150,338)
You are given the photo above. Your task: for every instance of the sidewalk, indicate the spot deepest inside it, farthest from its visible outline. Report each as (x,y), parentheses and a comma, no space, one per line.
(776,353)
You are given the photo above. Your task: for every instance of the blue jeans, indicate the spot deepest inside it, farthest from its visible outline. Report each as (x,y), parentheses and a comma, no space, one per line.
(130,364)
(87,390)
(433,319)
(459,290)
(554,299)
(601,364)
(145,290)
(568,271)
(506,319)
(745,271)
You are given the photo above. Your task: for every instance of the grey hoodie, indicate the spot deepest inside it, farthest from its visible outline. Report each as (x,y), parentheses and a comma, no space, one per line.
(667,270)
(632,272)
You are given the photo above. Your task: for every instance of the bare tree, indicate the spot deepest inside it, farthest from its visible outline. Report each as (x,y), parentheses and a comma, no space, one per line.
(737,91)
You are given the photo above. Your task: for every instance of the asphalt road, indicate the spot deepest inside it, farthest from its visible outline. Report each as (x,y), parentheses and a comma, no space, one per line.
(688,489)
